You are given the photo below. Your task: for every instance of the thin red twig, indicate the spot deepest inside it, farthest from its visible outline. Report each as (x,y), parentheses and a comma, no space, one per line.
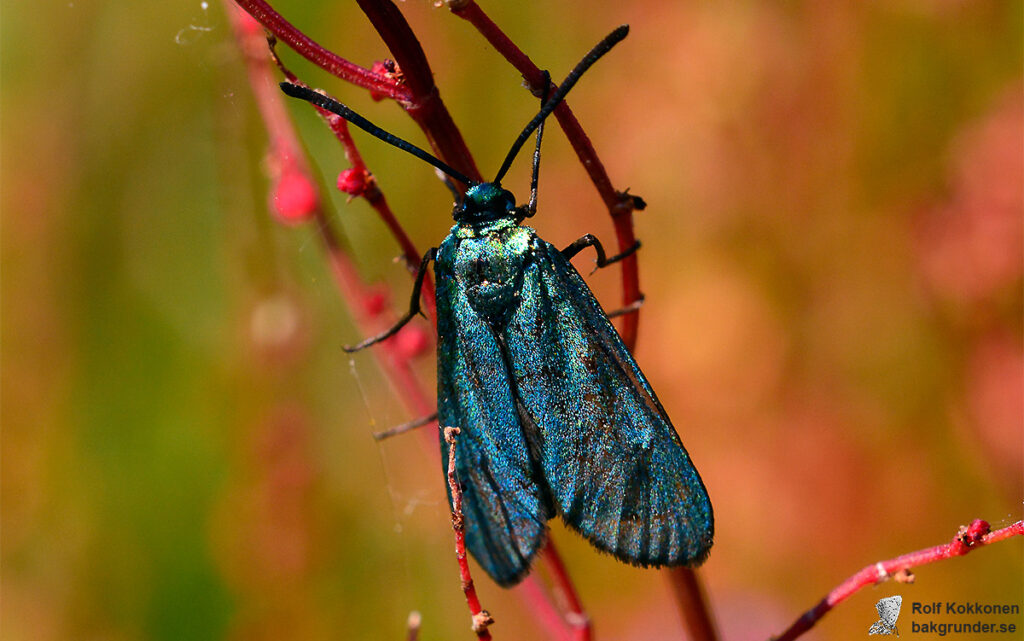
(481,618)
(415,92)
(967,539)
(575,616)
(693,604)
(424,105)
(620,204)
(329,61)
(369,317)
(543,609)
(372,193)
(362,184)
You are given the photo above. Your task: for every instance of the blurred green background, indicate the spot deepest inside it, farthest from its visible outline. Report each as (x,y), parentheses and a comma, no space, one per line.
(832,262)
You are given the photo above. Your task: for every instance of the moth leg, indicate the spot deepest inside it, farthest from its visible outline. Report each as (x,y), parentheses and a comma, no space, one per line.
(632,308)
(414,307)
(405,427)
(531,207)
(602,259)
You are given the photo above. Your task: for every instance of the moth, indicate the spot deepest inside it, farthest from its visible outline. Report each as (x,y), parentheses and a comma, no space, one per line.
(556,417)
(888,611)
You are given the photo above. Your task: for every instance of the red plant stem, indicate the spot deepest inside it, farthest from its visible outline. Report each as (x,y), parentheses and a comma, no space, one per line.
(424,104)
(371,193)
(394,363)
(968,538)
(481,618)
(329,61)
(620,205)
(542,608)
(417,93)
(575,616)
(693,604)
(284,140)
(375,197)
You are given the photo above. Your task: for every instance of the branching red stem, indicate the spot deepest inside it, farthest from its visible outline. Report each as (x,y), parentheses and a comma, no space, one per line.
(424,105)
(375,197)
(353,290)
(370,191)
(416,93)
(481,618)
(967,539)
(329,61)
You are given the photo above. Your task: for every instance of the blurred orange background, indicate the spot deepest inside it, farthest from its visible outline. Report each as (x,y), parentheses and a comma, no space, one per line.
(832,266)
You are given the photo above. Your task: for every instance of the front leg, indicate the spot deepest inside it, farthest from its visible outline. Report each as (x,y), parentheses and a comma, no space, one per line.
(414,306)
(602,260)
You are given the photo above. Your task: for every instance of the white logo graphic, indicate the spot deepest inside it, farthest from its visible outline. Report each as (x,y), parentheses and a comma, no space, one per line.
(889,610)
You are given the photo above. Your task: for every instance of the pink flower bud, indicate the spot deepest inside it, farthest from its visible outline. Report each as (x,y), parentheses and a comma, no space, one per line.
(352,182)
(411,341)
(376,301)
(294,198)
(976,530)
(247,23)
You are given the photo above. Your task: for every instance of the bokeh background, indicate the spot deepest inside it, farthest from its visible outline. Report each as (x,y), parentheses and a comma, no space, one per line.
(832,262)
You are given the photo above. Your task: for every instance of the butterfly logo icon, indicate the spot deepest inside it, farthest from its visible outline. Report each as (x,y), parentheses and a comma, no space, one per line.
(888,611)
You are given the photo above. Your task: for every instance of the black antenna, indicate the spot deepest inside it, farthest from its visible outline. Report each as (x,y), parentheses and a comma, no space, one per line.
(593,56)
(335,107)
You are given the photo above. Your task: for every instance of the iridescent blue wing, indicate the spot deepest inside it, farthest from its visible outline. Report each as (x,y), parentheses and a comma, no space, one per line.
(505,509)
(615,467)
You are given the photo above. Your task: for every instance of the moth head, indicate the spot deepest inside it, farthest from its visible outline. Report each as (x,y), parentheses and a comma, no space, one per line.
(485,202)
